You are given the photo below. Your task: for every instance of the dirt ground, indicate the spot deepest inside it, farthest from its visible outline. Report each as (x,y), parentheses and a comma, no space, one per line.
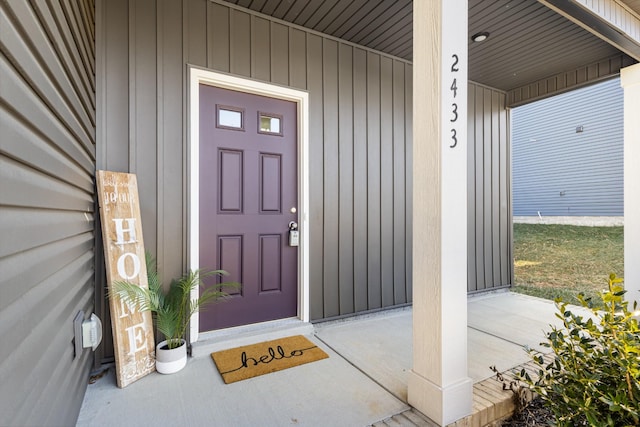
(534,414)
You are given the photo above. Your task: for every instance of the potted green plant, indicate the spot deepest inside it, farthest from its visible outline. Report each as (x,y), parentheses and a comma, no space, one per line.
(172,309)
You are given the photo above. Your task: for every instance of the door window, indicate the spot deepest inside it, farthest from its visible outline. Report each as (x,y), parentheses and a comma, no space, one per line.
(229,117)
(270,124)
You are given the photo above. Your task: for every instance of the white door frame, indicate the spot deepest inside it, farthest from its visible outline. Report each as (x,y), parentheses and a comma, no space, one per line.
(199,76)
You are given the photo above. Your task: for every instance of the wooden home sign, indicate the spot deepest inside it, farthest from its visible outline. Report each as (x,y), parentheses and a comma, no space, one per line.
(133,340)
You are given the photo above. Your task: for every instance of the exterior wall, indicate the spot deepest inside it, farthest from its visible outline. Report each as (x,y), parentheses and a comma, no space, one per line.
(559,172)
(47,162)
(360,136)
(568,81)
(489,190)
(617,14)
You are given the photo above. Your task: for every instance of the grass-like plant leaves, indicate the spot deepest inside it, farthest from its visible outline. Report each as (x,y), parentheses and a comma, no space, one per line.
(594,378)
(173,309)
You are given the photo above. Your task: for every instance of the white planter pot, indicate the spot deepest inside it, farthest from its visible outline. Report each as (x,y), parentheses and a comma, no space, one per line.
(170,361)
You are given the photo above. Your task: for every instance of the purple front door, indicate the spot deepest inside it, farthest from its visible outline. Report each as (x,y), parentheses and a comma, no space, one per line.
(248,197)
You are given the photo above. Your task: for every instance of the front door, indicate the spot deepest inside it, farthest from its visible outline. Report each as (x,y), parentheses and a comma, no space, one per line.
(248,198)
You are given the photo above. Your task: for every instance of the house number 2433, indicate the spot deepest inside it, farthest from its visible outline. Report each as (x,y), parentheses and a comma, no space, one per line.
(454,105)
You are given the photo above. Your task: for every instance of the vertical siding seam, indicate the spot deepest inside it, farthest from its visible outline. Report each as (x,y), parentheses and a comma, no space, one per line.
(476,172)
(322,196)
(353,180)
(306,61)
(479,176)
(131,17)
(232,12)
(472,170)
(322,247)
(484,195)
(339,161)
(252,52)
(380,160)
(159,130)
(407,215)
(494,213)
(254,68)
(475,192)
(499,175)
(485,218)
(288,56)
(509,196)
(507,215)
(500,195)
(270,50)
(393,187)
(366,139)
(207,26)
(229,41)
(185,159)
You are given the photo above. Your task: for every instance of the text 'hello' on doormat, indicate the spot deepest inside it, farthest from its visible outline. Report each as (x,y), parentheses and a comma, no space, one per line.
(250,361)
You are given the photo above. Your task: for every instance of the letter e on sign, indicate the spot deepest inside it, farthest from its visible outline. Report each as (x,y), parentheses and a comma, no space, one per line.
(133,339)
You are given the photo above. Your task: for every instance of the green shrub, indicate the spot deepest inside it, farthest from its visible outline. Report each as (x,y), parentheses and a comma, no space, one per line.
(595,374)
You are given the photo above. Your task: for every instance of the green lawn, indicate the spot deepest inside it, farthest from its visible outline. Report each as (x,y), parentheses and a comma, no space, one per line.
(563,260)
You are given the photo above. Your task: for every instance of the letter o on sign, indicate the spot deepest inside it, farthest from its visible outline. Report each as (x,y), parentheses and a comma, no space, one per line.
(121,266)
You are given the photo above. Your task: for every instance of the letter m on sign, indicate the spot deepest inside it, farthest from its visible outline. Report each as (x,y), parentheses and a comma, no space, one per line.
(133,340)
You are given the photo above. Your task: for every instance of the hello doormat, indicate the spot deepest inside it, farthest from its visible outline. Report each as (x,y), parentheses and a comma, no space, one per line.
(240,363)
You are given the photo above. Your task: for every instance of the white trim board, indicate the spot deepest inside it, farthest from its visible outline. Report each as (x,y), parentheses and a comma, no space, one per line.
(199,76)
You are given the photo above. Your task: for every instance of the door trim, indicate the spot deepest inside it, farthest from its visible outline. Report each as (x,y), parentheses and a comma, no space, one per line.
(199,76)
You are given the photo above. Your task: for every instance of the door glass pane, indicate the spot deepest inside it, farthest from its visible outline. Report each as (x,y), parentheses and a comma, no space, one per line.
(230,118)
(270,123)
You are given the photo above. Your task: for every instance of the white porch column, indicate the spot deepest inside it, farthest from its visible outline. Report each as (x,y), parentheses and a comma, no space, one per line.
(438,383)
(630,80)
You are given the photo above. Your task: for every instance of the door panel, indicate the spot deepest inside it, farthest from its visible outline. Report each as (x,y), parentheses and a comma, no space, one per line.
(230,164)
(270,263)
(270,183)
(230,251)
(248,185)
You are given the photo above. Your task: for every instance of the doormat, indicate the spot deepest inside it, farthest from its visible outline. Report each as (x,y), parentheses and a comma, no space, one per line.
(250,361)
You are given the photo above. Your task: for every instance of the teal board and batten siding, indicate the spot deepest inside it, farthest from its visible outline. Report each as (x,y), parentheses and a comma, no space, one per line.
(47,163)
(489,190)
(360,136)
(560,172)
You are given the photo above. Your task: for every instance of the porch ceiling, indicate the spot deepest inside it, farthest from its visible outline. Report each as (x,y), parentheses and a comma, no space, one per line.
(527,42)
(633,4)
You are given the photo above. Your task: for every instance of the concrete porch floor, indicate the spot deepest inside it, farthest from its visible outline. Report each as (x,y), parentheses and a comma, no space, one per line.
(363,382)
